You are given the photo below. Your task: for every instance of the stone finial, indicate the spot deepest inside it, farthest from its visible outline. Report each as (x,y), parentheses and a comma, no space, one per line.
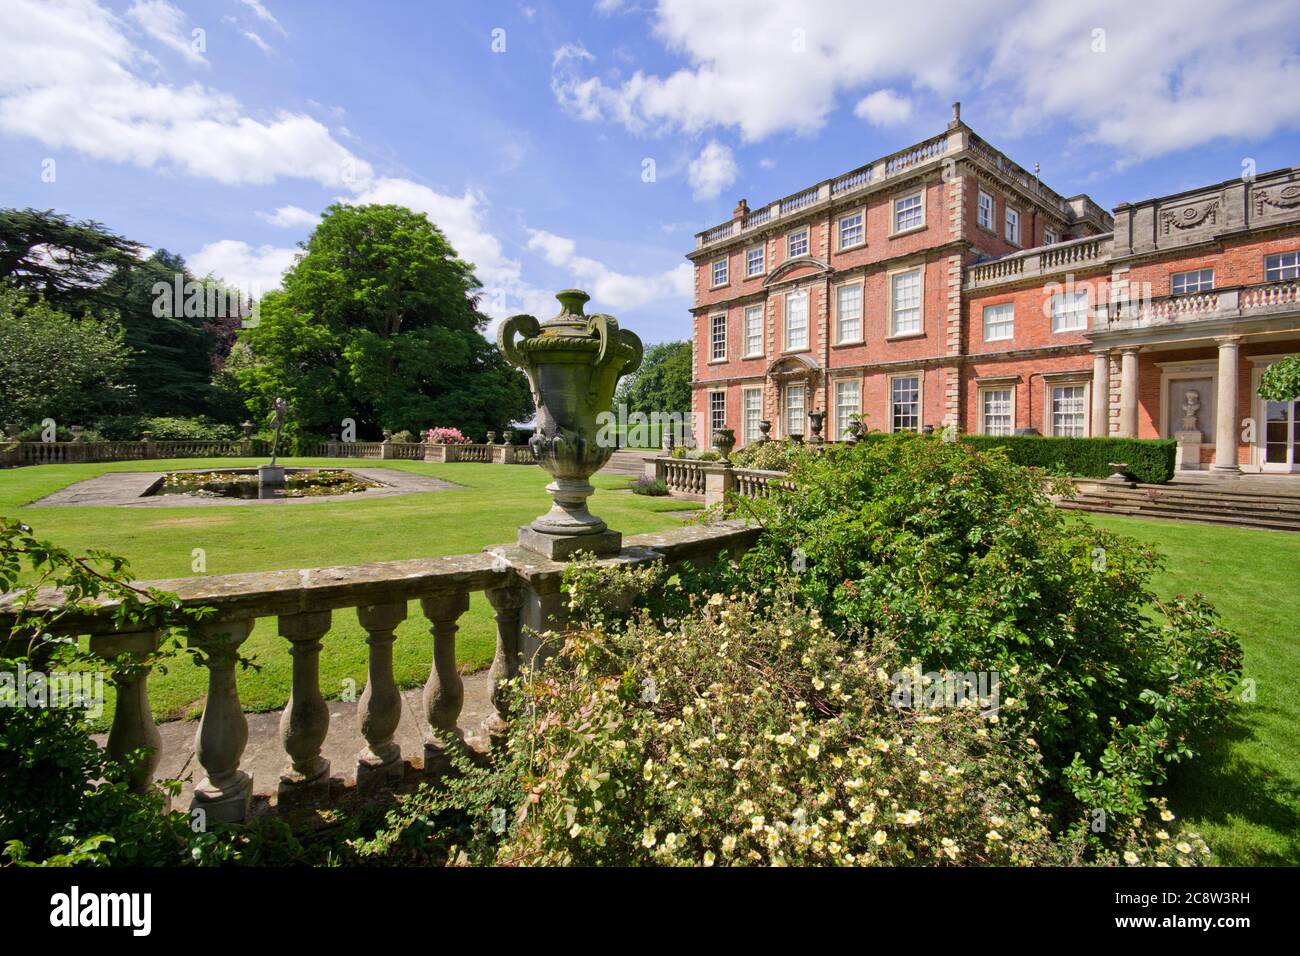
(956,114)
(741,210)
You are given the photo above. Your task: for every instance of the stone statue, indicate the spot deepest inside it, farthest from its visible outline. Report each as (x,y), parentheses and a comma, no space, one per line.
(281,410)
(1191,405)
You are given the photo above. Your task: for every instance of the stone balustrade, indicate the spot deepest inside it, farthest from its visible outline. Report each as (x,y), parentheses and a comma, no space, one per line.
(1229,308)
(523,587)
(1041,263)
(712,481)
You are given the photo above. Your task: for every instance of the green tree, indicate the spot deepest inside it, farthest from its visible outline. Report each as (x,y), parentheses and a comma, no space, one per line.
(1281,380)
(68,262)
(57,366)
(663,383)
(377,322)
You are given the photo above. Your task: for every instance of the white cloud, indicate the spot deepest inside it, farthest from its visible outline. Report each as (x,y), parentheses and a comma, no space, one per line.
(608,288)
(884,108)
(264,14)
(766,66)
(67,80)
(712,171)
(258,42)
(251,270)
(290,217)
(166,24)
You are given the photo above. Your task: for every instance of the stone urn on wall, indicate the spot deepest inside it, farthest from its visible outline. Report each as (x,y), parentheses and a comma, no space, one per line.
(573,363)
(724,439)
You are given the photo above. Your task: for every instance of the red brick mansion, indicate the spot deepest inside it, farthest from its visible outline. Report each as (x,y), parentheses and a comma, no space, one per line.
(945,285)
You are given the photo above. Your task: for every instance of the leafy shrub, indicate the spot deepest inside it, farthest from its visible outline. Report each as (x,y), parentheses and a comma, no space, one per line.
(1150,460)
(133,427)
(746,731)
(654,487)
(445,436)
(1281,380)
(770,455)
(957,557)
(404,437)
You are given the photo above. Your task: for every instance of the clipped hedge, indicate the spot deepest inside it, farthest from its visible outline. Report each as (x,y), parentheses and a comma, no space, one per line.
(1149,460)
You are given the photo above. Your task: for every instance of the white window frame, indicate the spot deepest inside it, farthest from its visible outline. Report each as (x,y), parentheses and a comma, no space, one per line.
(762,261)
(895,229)
(1009,322)
(894,333)
(1287,262)
(980,411)
(1190,286)
(806,234)
(861,216)
(980,209)
(717,411)
(715,340)
(1085,312)
(1049,404)
(920,399)
(842,417)
(786,392)
(749,434)
(725,262)
(1010,218)
(746,315)
(807,309)
(840,337)
(1050,237)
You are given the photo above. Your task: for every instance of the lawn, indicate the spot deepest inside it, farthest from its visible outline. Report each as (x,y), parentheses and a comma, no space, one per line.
(160,543)
(1244,795)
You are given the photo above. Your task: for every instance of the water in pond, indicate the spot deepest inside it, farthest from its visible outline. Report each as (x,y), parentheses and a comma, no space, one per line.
(243,484)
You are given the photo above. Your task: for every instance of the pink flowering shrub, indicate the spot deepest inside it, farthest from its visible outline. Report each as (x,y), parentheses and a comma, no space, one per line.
(446,436)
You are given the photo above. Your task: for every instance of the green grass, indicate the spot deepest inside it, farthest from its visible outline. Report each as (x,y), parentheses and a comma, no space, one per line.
(1243,795)
(159,542)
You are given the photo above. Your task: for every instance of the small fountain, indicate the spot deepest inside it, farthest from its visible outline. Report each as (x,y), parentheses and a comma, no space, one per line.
(270,477)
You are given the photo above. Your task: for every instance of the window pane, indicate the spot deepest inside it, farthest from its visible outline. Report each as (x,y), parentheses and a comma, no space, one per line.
(719,271)
(1285,265)
(1070,311)
(1198,280)
(996,411)
(754,330)
(986,210)
(1013,226)
(907,213)
(796,320)
(719,337)
(717,412)
(851,230)
(907,302)
(1068,410)
(847,404)
(794,417)
(753,399)
(848,311)
(999,322)
(754,262)
(797,244)
(905,403)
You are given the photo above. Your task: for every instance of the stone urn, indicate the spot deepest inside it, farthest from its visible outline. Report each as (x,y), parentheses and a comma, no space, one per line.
(724,439)
(764,426)
(508,436)
(492,438)
(816,419)
(247,428)
(573,362)
(854,430)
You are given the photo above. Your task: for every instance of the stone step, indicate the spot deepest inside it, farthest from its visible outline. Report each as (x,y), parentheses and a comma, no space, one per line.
(1208,503)
(1277,522)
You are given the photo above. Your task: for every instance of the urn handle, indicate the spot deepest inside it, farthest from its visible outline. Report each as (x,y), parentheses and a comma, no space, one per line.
(527,326)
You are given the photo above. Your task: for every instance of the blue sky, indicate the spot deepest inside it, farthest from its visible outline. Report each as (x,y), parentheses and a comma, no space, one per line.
(223,145)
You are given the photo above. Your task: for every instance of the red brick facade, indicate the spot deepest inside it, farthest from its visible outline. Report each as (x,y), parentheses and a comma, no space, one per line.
(906,281)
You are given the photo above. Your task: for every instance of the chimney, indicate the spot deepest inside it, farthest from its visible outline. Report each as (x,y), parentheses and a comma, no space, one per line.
(956,115)
(741,210)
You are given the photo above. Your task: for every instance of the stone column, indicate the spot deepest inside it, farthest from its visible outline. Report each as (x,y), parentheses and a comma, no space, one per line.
(1128,393)
(133,726)
(305,721)
(225,791)
(380,706)
(1225,413)
(444,693)
(1100,394)
(507,602)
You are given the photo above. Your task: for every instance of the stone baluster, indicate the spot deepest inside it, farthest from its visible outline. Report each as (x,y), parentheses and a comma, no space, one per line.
(444,693)
(133,727)
(306,718)
(225,792)
(507,603)
(380,707)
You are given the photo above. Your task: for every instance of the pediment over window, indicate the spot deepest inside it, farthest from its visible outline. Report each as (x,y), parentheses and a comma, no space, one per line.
(794,367)
(800,267)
